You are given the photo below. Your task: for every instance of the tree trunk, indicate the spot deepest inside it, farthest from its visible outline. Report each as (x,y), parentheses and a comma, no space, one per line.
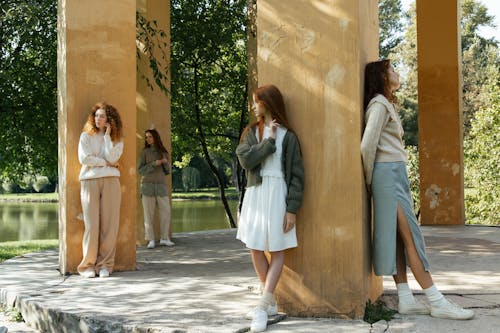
(240,173)
(203,142)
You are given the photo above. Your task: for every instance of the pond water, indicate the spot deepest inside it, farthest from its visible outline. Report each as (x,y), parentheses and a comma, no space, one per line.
(28,221)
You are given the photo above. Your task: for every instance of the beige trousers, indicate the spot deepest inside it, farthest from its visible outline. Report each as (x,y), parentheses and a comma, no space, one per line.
(101,198)
(149,203)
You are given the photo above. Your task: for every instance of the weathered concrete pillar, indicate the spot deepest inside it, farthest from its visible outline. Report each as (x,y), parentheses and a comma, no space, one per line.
(440,112)
(315,52)
(153,105)
(96,62)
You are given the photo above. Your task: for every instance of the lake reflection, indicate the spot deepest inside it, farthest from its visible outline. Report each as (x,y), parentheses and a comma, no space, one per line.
(28,221)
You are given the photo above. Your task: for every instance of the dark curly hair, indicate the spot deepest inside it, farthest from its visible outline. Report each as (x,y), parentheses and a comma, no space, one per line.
(114,120)
(377,81)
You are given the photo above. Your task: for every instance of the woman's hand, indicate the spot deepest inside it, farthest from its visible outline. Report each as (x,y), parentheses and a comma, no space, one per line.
(108,129)
(289,222)
(274,128)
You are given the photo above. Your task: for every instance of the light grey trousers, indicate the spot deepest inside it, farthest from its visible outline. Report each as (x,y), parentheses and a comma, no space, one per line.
(149,204)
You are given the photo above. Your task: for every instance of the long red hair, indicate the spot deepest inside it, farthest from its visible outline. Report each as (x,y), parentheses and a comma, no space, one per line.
(270,98)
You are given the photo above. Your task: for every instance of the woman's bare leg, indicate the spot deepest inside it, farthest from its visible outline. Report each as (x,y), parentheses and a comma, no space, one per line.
(260,265)
(423,277)
(274,271)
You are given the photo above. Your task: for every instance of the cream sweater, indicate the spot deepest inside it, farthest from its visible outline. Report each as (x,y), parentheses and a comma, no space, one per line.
(383,137)
(94,151)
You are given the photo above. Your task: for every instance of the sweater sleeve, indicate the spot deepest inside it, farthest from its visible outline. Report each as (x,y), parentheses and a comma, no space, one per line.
(296,185)
(85,155)
(143,167)
(112,151)
(251,155)
(377,120)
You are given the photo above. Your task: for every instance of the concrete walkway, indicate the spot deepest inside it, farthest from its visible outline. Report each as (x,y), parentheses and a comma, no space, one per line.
(206,283)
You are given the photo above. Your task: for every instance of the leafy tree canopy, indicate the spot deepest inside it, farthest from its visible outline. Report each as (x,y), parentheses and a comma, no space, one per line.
(28,83)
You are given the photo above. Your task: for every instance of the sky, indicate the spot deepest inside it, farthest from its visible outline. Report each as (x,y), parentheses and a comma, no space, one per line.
(493,9)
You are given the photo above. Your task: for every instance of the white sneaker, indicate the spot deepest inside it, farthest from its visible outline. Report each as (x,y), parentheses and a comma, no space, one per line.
(166,242)
(272,310)
(413,308)
(259,321)
(151,244)
(103,273)
(450,310)
(89,273)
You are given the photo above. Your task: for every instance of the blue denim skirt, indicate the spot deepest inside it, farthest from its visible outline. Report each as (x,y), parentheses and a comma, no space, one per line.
(390,187)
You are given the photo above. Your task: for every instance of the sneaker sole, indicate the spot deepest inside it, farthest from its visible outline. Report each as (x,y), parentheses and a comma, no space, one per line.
(449,316)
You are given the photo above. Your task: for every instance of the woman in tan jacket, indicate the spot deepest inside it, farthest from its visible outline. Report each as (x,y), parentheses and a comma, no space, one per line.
(397,239)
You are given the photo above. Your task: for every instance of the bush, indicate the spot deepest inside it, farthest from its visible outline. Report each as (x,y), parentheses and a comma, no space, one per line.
(190,178)
(482,164)
(41,184)
(414,177)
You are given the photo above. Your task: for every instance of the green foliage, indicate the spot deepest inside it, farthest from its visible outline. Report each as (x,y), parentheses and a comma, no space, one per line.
(12,249)
(377,311)
(414,176)
(28,107)
(152,43)
(475,15)
(390,26)
(209,72)
(482,160)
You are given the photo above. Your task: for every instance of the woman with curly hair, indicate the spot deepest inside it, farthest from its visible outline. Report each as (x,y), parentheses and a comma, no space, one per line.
(397,238)
(154,167)
(99,150)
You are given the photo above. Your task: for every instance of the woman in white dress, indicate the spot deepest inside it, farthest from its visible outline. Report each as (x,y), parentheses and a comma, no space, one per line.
(269,152)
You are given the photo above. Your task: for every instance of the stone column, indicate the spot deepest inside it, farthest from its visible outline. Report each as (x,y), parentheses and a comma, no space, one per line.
(440,112)
(96,62)
(153,105)
(315,53)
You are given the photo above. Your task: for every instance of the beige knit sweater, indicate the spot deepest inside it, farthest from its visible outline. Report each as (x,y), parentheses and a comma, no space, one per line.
(383,137)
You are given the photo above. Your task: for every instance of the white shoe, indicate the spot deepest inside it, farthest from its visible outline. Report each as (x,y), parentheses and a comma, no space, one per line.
(272,310)
(450,310)
(151,244)
(89,273)
(259,321)
(413,308)
(166,242)
(103,273)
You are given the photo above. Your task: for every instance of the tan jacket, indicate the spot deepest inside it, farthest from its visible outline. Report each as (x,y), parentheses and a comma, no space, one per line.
(383,137)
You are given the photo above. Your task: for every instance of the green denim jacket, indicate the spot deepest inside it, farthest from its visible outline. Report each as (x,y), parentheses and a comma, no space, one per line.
(252,153)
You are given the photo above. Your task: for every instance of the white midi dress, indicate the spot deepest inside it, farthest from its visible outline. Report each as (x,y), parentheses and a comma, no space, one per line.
(263,211)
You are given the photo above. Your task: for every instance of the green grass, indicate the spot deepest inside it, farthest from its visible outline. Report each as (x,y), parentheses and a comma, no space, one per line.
(12,249)
(30,197)
(209,193)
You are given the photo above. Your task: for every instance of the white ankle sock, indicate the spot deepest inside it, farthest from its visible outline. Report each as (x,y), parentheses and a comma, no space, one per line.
(404,293)
(434,296)
(265,300)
